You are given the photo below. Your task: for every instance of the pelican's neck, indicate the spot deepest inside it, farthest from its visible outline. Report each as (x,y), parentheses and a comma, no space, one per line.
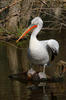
(33,39)
(35,33)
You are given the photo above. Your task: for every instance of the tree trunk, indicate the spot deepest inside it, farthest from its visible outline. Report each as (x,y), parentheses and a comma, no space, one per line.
(13,14)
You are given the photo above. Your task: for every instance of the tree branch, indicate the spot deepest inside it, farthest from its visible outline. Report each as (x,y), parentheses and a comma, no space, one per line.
(1,10)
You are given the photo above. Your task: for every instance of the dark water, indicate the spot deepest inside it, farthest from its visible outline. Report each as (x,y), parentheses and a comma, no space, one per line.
(13,60)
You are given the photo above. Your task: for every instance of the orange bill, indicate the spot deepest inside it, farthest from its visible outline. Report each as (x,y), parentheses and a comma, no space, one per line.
(27,30)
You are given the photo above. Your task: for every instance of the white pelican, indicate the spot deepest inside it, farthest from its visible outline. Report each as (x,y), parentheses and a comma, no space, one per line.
(39,51)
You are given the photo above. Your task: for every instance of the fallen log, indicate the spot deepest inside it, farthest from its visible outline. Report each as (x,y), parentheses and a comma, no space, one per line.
(22,77)
(25,77)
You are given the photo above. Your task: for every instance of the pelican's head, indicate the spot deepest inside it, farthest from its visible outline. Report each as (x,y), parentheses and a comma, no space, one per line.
(36,22)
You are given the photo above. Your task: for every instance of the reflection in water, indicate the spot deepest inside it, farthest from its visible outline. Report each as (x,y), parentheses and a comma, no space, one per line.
(17,59)
(19,91)
(53,91)
(14,60)
(24,60)
(12,57)
(15,90)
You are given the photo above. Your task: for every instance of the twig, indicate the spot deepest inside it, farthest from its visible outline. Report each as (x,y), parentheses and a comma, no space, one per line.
(51,8)
(63,24)
(44,2)
(49,28)
(40,9)
(8,43)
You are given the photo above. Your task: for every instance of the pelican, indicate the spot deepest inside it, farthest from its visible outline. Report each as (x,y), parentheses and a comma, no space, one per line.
(40,52)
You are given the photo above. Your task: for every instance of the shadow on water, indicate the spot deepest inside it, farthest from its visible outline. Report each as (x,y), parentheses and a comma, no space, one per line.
(14,60)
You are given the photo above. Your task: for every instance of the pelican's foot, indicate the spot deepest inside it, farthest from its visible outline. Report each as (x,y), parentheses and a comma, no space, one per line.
(42,75)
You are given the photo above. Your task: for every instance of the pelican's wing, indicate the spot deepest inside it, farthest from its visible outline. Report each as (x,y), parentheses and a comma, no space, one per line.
(53,45)
(51,53)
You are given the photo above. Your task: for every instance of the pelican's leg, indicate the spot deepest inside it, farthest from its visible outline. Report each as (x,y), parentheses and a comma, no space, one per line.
(30,65)
(44,74)
(31,70)
(44,68)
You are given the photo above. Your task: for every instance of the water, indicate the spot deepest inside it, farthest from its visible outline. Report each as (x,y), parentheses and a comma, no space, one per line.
(13,60)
